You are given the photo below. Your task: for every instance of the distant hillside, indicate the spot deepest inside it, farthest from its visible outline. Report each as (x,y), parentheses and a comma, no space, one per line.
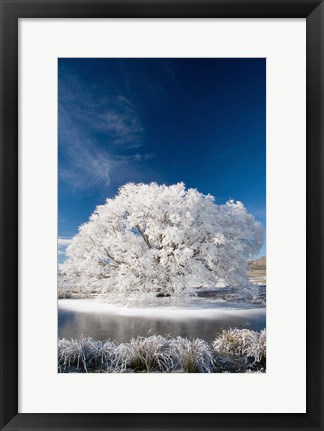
(257,270)
(258,264)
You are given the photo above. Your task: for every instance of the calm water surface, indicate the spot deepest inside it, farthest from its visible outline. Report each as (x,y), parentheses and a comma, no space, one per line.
(104,325)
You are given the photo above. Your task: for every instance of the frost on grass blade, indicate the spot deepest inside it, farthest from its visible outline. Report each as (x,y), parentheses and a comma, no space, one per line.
(242,342)
(149,354)
(165,355)
(86,354)
(194,356)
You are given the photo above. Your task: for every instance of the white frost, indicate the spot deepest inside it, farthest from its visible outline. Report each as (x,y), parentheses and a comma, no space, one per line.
(168,240)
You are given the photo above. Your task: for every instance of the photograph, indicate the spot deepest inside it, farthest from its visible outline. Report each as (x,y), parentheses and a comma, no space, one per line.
(161,244)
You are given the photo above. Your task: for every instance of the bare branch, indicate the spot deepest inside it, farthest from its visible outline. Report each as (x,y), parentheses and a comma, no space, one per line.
(108,254)
(144,236)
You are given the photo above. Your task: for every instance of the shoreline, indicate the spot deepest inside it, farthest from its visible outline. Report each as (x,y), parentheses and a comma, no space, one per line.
(196,308)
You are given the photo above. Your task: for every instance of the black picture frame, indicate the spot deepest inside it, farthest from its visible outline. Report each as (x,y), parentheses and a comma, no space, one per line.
(11,11)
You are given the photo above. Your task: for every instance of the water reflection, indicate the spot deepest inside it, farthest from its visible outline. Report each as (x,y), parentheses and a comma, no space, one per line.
(73,324)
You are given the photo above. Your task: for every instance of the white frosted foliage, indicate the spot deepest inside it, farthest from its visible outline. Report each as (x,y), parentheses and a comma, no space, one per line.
(156,239)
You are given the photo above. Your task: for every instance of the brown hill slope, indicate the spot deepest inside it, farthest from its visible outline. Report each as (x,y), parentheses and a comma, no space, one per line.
(257,270)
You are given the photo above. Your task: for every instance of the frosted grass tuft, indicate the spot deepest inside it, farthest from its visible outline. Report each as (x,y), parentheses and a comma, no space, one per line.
(242,342)
(164,354)
(194,356)
(150,354)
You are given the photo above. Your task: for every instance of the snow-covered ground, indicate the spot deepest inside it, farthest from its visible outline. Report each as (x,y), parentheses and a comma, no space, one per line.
(163,308)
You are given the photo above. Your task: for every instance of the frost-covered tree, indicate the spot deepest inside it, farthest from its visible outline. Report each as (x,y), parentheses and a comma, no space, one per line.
(162,240)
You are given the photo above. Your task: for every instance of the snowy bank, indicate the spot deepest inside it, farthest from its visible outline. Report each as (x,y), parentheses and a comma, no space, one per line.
(163,308)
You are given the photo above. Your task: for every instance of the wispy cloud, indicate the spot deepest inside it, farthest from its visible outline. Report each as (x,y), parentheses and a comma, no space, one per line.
(62,244)
(142,157)
(97,136)
(84,164)
(89,165)
(113,115)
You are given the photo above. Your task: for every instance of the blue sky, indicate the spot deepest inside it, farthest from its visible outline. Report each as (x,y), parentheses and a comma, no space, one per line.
(200,121)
